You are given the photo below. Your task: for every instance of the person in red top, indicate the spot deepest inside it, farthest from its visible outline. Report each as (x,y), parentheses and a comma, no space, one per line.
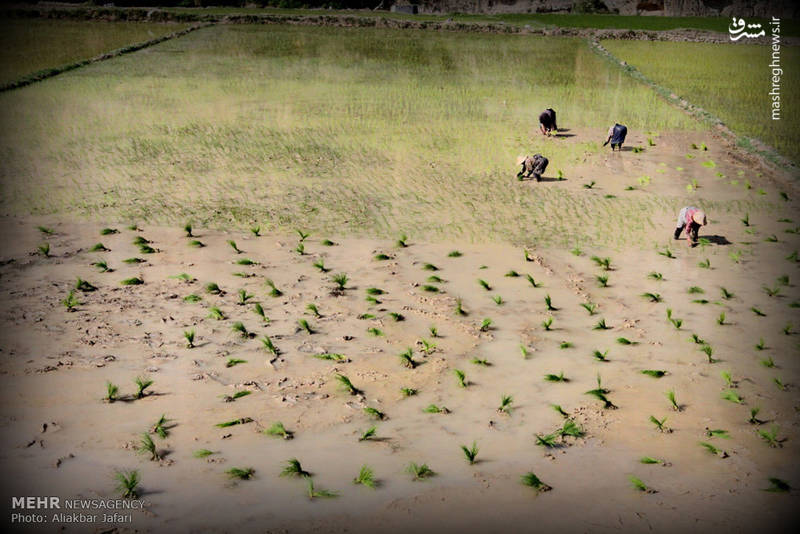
(690,219)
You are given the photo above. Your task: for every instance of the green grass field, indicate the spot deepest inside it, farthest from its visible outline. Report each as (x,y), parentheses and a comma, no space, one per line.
(30,45)
(731,82)
(359,131)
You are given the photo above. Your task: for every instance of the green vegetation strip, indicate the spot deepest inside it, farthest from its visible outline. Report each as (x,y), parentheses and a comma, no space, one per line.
(54,71)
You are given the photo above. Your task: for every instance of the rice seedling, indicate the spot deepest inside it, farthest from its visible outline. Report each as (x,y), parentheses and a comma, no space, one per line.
(245,473)
(460,308)
(146,249)
(727,295)
(589,307)
(470,453)
(767,362)
(576,251)
(274,291)
(127,483)
(245,262)
(142,383)
(377,257)
(433,279)
(736,256)
(233,245)
(760,345)
(366,477)
(652,297)
(565,345)
(83,285)
(293,468)
(419,471)
(695,290)
(259,310)
(779,383)
(625,341)
(300,249)
(133,281)
(240,394)
(793,257)
(484,285)
(600,356)
(189,335)
(133,260)
(602,280)
(721,319)
(234,422)
(787,330)
(196,243)
(771,291)
(44,250)
(648,460)
(215,313)
(375,331)
(758,312)
(770,437)
(559,410)
(430,289)
(601,325)
(771,239)
(256,231)
(213,288)
(314,493)
(427,346)
(99,247)
(112,390)
(524,350)
(368,434)
(147,446)
(655,373)
(549,304)
(673,402)
(732,396)
(526,253)
(480,361)
(532,481)
(45,230)
(160,428)
(505,404)
(778,486)
(605,263)
(330,356)
(327,243)
(660,424)
(461,378)
(713,450)
(589,185)
(408,392)
(340,280)
(556,378)
(729,382)
(571,428)
(432,408)
(639,485)
(708,351)
(667,253)
(240,329)
(192,298)
(547,441)
(234,361)
(374,413)
(486,325)
(717,433)
(407,360)
(304,325)
(402,241)
(498,300)
(345,384)
(637,149)
(397,317)
(372,300)
(630,188)
(244,296)
(700,301)
(753,419)
(70,302)
(547,323)
(139,240)
(512,274)
(532,281)
(429,267)
(454,254)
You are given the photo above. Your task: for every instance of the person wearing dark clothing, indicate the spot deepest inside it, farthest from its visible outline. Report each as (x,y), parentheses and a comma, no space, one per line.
(535,166)
(616,136)
(547,121)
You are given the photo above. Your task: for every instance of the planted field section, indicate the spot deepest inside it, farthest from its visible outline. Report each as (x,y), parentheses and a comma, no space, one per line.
(336,130)
(732,82)
(31,45)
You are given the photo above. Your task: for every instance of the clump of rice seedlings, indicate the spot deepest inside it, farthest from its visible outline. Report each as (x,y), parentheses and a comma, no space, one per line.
(713,450)
(134,281)
(565,345)
(660,424)
(189,335)
(44,250)
(486,325)
(512,274)
(215,313)
(340,280)
(313,310)
(234,361)
(244,296)
(589,307)
(112,391)
(241,473)
(192,298)
(320,264)
(717,433)
(639,485)
(783,280)
(188,229)
(601,325)
(760,345)
(547,441)
(213,288)
(532,281)
(605,263)
(700,301)
(630,188)
(233,245)
(245,261)
(99,247)
(433,331)
(484,285)
(427,346)
(779,383)
(407,359)
(648,460)
(461,378)
(600,356)
(419,471)
(274,291)
(332,356)
(650,142)
(778,486)
(259,310)
(655,373)
(314,493)
(408,392)
(753,413)
(637,149)
(304,325)
(397,317)
(526,253)
(505,404)
(195,243)
(729,382)
(695,290)
(470,453)
(708,351)
(148,446)
(556,378)
(758,312)
(732,396)
(83,285)
(256,231)
(139,240)
(460,308)
(70,302)
(589,185)
(721,319)
(532,481)
(430,289)
(234,422)
(667,253)
(673,402)
(382,257)
(130,261)
(238,395)
(402,241)
(127,483)
(184,277)
(160,428)
(278,430)
(432,408)
(794,257)
(345,384)
(327,243)
(767,362)
(45,230)
(736,257)
(374,413)
(429,267)
(435,279)
(366,477)
(549,304)
(625,341)
(571,428)
(547,323)
(498,300)
(559,410)
(146,249)
(771,291)
(240,329)
(602,280)
(675,322)
(142,383)
(652,297)
(368,434)
(577,251)
(771,239)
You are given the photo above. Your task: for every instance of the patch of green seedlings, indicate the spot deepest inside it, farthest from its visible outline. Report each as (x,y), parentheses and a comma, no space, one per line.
(127,483)
(721,319)
(639,485)
(550,377)
(677,323)
(713,450)
(304,325)
(213,288)
(407,359)
(461,378)
(245,262)
(532,481)
(571,428)
(526,253)
(660,424)
(142,383)
(589,185)
(274,291)
(559,410)
(429,267)
(215,313)
(548,322)
(278,430)
(397,317)
(131,261)
(345,384)
(427,346)
(667,253)
(99,247)
(601,325)
(240,394)
(240,329)
(480,361)
(654,373)
(366,477)
(402,241)
(70,302)
(605,263)
(320,265)
(259,310)
(732,396)
(330,356)
(649,460)
(45,230)
(549,304)
(758,312)
(146,249)
(196,243)
(234,361)
(652,297)
(771,291)
(244,296)
(470,453)
(433,331)
(139,241)
(430,289)
(314,493)
(512,274)
(600,395)
(767,362)
(375,331)
(189,335)
(565,345)
(419,471)
(187,228)
(602,280)
(672,400)
(300,249)
(459,310)
(778,486)
(717,433)
(147,446)
(374,413)
(454,254)
(754,420)
(432,408)
(256,231)
(626,341)
(112,392)
(484,284)
(192,298)
(83,285)
(547,441)
(505,404)
(233,245)
(771,239)
(577,251)
(779,384)
(600,356)
(245,473)
(133,281)
(340,279)
(532,281)
(486,325)
(589,307)
(761,345)
(234,422)
(498,300)
(160,428)
(408,392)
(709,352)
(368,434)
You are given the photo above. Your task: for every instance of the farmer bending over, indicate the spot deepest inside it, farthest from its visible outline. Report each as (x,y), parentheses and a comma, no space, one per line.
(547,121)
(691,219)
(532,166)
(616,135)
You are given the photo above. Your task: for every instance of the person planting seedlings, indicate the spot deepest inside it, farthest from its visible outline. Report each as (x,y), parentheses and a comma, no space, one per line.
(690,219)
(547,121)
(616,136)
(532,166)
